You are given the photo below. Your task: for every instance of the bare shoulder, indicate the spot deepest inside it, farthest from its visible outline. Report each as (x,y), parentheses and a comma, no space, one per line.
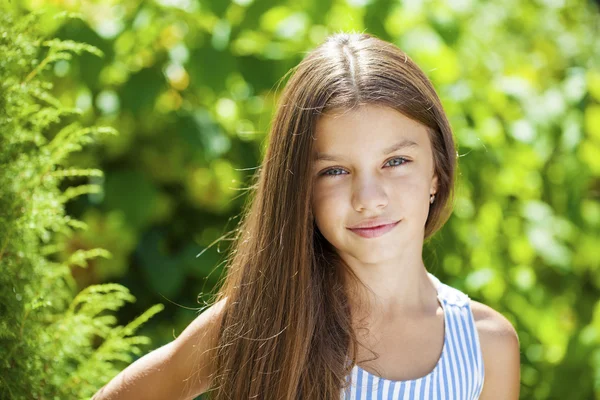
(204,324)
(491,323)
(181,369)
(501,353)
(194,348)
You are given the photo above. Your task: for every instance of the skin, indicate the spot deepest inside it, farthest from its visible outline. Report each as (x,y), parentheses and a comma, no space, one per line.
(363,183)
(405,299)
(179,370)
(355,179)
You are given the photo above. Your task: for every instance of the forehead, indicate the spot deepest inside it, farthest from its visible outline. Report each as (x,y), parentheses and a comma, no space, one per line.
(367,127)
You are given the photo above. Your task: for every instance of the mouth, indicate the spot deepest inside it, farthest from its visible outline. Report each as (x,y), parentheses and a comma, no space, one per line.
(374,231)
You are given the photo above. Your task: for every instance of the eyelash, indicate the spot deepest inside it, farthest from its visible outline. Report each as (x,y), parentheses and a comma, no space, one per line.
(326,172)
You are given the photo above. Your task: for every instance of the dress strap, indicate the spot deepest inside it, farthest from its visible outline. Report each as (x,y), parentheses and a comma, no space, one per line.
(448,293)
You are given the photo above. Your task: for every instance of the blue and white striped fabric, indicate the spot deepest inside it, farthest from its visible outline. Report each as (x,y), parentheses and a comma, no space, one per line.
(459,373)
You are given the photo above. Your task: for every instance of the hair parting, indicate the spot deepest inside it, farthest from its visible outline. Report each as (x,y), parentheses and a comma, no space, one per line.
(286,330)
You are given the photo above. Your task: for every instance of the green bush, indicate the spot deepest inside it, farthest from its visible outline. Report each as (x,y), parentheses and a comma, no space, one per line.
(54,343)
(191,86)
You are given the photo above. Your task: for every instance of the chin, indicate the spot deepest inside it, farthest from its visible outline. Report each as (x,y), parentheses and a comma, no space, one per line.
(370,254)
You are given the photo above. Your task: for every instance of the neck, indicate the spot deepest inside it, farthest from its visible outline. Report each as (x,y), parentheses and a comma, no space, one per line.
(392,292)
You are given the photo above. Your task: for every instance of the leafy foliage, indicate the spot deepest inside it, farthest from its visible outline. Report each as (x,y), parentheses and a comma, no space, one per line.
(191,85)
(53,343)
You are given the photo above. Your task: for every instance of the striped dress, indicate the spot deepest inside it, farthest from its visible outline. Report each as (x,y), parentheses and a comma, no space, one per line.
(459,373)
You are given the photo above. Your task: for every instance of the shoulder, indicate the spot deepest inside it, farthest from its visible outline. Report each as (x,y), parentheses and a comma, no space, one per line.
(181,369)
(492,324)
(193,350)
(501,353)
(205,320)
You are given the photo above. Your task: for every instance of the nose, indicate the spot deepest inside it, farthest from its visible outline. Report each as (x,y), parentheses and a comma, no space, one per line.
(368,193)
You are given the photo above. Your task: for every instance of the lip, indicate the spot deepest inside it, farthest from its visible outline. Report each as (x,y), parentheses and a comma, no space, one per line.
(374,231)
(372,223)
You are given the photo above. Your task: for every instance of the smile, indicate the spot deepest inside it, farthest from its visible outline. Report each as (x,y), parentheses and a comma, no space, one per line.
(375,231)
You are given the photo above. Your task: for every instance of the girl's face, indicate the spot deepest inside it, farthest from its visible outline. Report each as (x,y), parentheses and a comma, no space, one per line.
(372,165)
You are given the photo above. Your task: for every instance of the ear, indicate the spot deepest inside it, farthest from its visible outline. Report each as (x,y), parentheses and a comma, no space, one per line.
(433,187)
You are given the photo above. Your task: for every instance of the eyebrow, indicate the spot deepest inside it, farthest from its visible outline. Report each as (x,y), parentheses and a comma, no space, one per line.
(404,143)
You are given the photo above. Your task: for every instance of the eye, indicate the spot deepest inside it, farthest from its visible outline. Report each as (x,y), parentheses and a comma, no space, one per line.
(336,171)
(395,159)
(328,172)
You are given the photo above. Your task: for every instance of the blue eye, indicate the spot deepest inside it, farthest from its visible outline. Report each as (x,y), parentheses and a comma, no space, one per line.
(404,161)
(401,161)
(327,172)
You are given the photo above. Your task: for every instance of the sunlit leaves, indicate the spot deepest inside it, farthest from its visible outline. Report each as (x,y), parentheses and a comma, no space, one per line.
(212,187)
(48,337)
(192,86)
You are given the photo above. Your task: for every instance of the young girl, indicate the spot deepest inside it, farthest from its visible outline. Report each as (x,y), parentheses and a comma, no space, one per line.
(326,295)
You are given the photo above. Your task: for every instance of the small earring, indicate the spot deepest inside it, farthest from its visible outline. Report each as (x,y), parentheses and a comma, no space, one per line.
(431,198)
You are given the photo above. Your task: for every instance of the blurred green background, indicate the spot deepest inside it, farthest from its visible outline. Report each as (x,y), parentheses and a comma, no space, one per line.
(191,85)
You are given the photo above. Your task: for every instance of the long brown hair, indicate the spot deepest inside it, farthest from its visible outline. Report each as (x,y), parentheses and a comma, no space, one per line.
(286,331)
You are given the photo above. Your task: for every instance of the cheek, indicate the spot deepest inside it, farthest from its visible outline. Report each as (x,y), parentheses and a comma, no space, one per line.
(327,204)
(413,184)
